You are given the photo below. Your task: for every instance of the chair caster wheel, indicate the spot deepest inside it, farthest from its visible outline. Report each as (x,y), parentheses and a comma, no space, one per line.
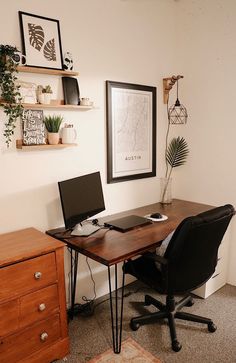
(176,346)
(212,327)
(134,326)
(190,302)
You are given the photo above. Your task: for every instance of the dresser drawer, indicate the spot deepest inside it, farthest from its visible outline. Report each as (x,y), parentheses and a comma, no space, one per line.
(9,317)
(33,321)
(38,305)
(18,346)
(26,276)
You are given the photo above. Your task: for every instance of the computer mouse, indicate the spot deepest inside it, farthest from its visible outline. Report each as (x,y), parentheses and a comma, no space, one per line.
(156,216)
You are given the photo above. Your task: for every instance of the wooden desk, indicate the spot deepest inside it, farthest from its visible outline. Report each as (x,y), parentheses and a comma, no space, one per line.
(110,247)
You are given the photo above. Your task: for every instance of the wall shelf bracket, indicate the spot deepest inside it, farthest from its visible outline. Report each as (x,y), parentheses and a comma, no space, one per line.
(168,83)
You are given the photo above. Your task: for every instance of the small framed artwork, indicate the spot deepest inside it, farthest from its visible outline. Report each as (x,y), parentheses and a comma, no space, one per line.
(41,41)
(33,127)
(131,131)
(27,91)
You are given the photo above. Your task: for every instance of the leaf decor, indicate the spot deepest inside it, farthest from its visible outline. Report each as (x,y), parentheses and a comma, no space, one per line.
(36,36)
(176,155)
(177,152)
(49,50)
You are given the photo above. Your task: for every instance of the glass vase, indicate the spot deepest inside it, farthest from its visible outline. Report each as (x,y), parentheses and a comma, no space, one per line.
(166,196)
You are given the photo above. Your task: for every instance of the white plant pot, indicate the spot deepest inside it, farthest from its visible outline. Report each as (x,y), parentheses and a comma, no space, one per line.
(53,138)
(68,135)
(47,98)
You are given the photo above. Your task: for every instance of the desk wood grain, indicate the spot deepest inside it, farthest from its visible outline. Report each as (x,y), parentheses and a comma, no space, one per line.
(110,247)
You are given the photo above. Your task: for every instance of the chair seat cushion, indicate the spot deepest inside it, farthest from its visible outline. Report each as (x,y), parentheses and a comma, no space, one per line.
(146,271)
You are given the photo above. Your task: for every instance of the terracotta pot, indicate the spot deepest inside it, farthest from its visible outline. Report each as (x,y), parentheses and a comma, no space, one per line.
(53,138)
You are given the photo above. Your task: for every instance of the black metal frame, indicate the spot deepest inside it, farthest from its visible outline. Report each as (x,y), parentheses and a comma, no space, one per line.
(116,320)
(109,115)
(21,15)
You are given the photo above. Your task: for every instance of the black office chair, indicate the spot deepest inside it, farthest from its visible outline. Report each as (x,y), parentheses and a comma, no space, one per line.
(189,261)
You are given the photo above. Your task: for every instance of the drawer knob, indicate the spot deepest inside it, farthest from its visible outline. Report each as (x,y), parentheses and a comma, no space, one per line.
(43,336)
(37,275)
(42,307)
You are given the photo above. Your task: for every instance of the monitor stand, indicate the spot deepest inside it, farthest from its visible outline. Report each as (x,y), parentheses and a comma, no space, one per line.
(84,229)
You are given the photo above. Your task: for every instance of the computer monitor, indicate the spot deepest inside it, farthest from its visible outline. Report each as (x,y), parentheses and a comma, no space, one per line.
(81,198)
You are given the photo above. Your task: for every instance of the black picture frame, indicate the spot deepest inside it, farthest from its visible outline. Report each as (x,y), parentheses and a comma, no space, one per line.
(71,91)
(41,41)
(33,127)
(131,131)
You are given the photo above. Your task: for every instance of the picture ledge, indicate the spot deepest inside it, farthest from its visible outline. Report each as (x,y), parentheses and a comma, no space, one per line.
(40,106)
(41,70)
(21,146)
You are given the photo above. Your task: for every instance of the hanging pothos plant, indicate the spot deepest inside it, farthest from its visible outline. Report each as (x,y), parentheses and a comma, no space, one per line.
(10,95)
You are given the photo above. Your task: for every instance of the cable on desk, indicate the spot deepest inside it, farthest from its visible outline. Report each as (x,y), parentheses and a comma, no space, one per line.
(91,276)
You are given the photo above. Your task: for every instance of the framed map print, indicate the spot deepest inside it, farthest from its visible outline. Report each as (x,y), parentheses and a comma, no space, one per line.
(131,131)
(41,41)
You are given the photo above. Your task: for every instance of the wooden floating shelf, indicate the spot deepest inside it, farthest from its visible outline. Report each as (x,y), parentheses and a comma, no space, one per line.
(56,72)
(66,107)
(20,146)
(39,106)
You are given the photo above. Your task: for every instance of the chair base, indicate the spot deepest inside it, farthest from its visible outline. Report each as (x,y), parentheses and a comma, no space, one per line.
(170,311)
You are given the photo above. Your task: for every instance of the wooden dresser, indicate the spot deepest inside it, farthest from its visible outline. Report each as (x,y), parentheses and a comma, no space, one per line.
(33,321)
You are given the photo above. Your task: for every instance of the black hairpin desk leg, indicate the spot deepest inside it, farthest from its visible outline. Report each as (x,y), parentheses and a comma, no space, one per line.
(73,279)
(116,322)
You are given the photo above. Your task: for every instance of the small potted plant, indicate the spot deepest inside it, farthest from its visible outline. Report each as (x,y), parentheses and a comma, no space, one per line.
(52,124)
(45,94)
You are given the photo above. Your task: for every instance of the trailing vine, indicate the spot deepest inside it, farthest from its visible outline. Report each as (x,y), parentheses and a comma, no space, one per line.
(10,95)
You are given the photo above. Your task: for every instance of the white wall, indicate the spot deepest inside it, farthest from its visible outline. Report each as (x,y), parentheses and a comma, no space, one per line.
(207,58)
(129,41)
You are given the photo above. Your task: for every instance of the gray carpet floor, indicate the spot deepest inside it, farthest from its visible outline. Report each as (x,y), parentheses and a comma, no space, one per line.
(90,336)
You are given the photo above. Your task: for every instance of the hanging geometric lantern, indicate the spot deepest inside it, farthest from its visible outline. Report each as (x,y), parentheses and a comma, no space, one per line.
(177,114)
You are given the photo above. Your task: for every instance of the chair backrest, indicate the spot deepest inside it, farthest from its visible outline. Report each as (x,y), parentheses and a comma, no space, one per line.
(193,250)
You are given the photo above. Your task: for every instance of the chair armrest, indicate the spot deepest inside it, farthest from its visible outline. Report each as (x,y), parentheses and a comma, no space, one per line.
(156,258)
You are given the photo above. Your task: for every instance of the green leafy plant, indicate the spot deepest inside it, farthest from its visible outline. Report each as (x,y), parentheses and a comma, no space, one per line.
(47,89)
(53,123)
(10,95)
(176,155)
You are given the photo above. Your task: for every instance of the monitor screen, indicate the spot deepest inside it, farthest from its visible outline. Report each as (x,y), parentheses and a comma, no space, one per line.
(81,198)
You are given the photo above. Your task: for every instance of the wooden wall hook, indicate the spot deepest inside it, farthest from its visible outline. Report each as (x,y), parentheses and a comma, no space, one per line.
(168,83)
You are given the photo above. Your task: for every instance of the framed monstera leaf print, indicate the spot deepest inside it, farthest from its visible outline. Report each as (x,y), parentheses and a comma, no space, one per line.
(41,41)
